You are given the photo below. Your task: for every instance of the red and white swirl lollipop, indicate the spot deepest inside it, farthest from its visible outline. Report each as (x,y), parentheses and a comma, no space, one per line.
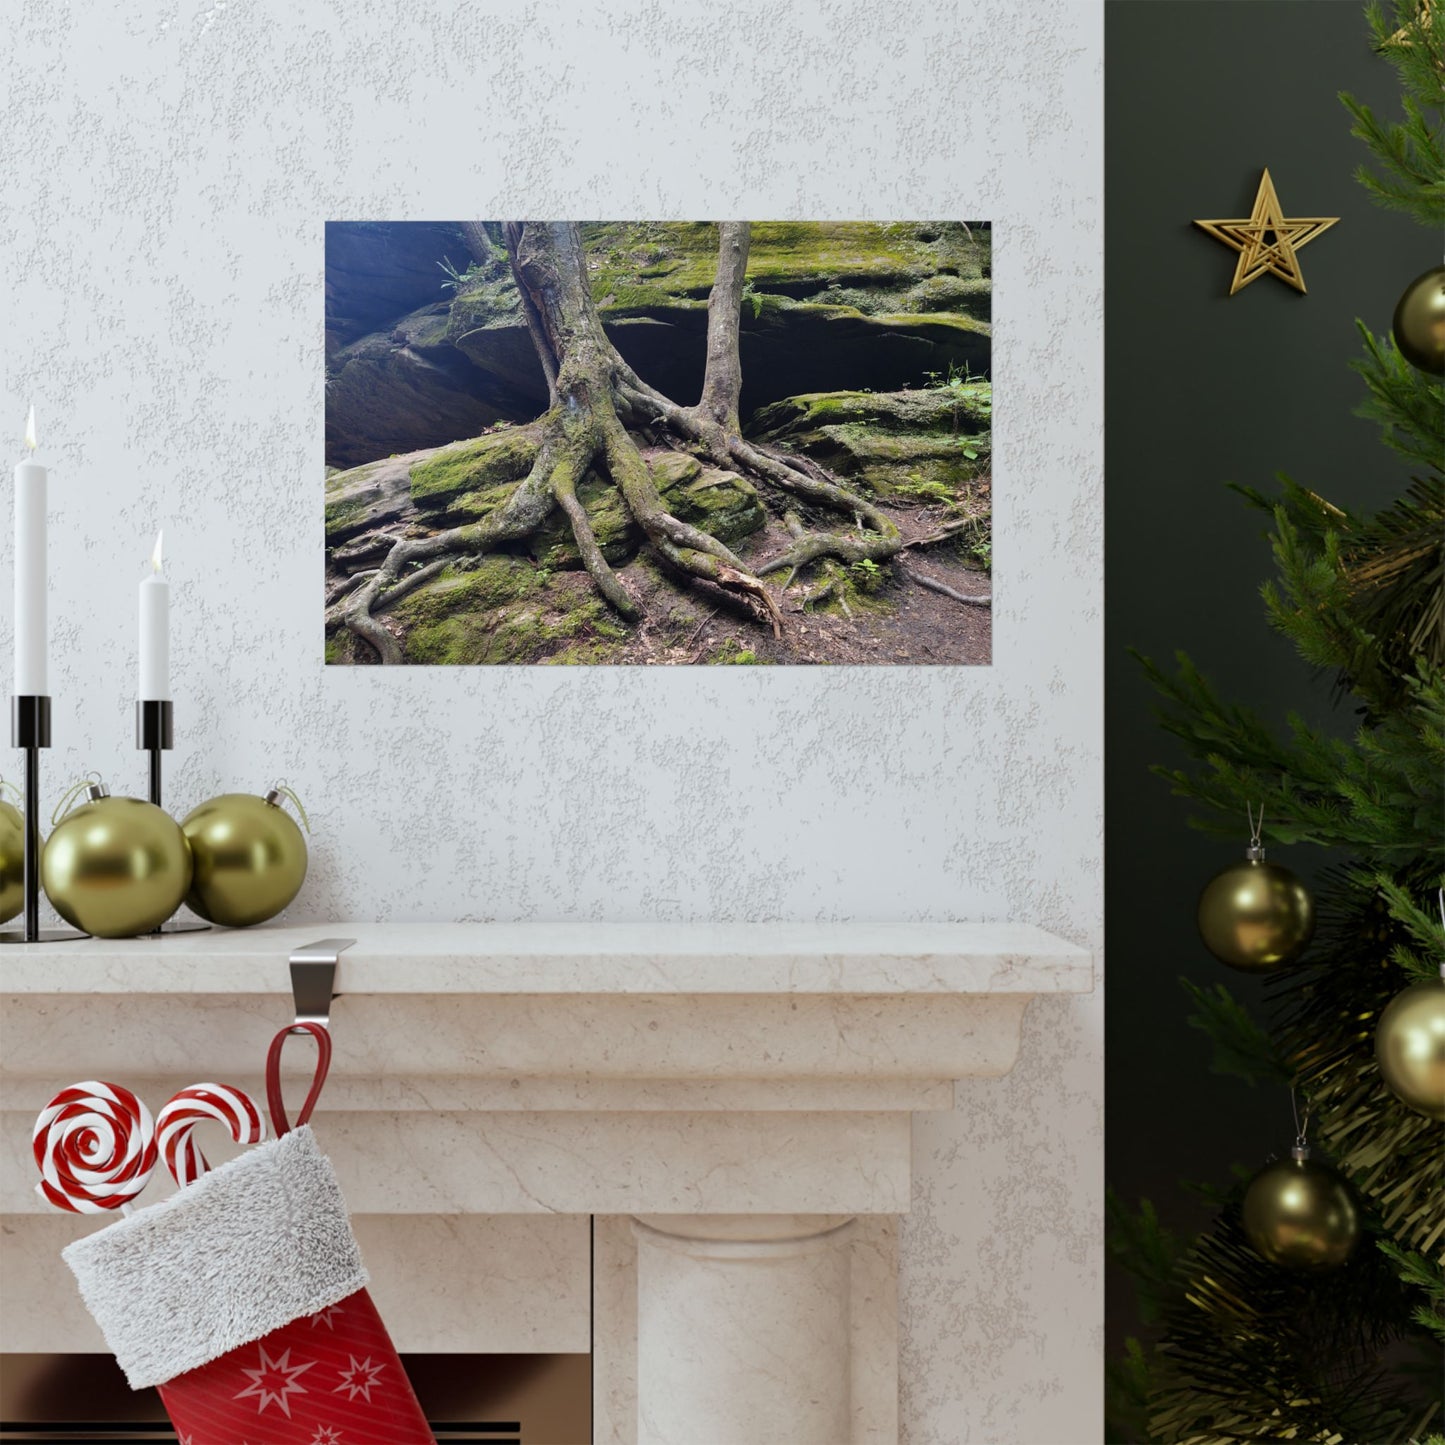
(204,1104)
(95,1145)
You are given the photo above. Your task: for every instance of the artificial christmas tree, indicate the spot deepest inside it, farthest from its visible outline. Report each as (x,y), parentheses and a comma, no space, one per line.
(1251,1349)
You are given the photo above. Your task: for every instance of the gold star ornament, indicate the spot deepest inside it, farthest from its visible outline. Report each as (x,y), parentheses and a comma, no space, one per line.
(1267,240)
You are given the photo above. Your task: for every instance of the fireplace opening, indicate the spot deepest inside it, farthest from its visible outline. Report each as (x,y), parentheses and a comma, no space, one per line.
(500,1399)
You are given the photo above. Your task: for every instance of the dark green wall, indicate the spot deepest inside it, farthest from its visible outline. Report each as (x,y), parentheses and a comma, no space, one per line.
(1201,389)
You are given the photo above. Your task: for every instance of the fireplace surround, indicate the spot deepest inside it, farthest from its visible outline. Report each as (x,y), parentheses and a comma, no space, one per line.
(683,1149)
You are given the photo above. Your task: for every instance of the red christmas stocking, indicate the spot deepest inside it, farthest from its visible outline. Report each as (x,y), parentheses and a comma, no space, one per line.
(243,1298)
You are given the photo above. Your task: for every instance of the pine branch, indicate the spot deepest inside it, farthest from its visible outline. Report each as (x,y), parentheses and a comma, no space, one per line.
(1377,795)
(1424,1275)
(1405,401)
(1146,1249)
(1423,930)
(1241,1046)
(1126,1396)
(1409,173)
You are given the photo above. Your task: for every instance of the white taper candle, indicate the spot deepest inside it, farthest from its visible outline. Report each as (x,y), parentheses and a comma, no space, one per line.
(30,628)
(155,632)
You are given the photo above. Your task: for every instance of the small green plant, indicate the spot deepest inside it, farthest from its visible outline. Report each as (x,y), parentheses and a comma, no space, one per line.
(956,382)
(457,279)
(752,299)
(867,575)
(977,547)
(916,488)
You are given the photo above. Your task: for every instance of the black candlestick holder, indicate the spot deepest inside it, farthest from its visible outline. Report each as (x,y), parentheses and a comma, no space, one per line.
(30,730)
(155,734)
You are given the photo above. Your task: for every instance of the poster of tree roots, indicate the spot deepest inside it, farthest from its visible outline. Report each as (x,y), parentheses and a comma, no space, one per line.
(658,443)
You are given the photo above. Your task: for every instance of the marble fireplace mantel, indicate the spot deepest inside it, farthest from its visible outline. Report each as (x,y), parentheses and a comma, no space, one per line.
(733,1102)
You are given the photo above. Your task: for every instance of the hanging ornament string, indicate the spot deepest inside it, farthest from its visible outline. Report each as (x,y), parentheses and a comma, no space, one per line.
(285,791)
(1301,1130)
(1440,899)
(68,797)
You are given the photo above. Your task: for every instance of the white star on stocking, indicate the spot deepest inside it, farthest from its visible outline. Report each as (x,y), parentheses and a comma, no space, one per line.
(326,1435)
(326,1317)
(359,1379)
(274,1382)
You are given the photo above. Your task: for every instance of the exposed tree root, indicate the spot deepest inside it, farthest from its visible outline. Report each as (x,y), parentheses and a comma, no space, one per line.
(930,585)
(598,405)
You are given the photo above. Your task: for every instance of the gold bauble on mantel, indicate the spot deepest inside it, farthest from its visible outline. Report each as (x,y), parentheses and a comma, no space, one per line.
(12,861)
(115,867)
(250,857)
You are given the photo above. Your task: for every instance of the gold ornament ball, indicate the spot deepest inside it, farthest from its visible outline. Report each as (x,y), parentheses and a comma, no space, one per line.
(115,867)
(1410,1047)
(250,859)
(1301,1215)
(12,861)
(1256,916)
(1419,323)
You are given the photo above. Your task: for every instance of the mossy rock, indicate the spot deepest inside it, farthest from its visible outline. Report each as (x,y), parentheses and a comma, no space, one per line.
(629,261)
(720,503)
(447,475)
(919,446)
(506,610)
(367,498)
(407,387)
(966,408)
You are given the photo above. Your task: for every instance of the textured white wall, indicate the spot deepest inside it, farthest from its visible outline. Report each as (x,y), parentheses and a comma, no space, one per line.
(165,172)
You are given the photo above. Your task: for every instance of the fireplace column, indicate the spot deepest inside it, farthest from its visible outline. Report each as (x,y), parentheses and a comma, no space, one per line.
(743,1329)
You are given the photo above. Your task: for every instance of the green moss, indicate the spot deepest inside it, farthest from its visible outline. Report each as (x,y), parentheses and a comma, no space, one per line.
(733,654)
(538,627)
(939,326)
(474,466)
(965,408)
(722,504)
(345,511)
(672,469)
(473,506)
(612,527)
(493,580)
(923,446)
(582,654)
(634,265)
